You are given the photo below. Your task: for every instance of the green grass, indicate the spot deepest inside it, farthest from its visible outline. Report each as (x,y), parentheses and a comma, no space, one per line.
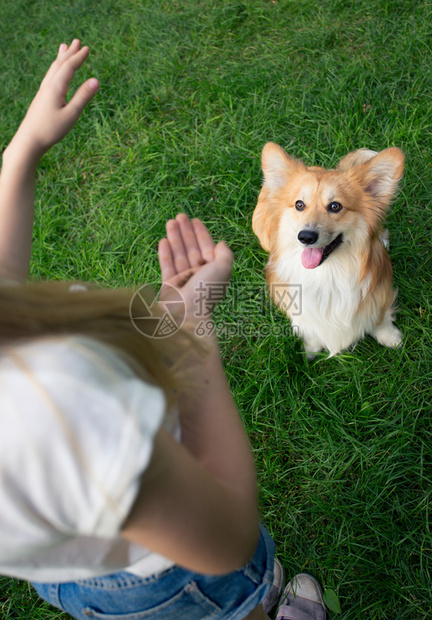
(191,90)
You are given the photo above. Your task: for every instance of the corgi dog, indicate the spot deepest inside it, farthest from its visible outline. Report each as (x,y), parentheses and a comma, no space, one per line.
(323,231)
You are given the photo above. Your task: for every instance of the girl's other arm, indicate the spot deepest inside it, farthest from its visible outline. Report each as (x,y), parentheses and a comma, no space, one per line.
(48,120)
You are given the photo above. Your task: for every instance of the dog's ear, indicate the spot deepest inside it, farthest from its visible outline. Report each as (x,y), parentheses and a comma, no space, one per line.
(381,174)
(278,166)
(355,158)
(261,220)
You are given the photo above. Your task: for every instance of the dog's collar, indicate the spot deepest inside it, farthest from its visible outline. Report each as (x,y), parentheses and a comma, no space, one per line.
(331,247)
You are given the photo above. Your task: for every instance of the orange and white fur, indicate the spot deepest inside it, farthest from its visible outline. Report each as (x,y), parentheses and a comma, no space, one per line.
(323,231)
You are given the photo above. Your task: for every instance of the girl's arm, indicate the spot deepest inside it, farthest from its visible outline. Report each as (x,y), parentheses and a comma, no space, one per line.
(48,120)
(212,429)
(191,515)
(198,500)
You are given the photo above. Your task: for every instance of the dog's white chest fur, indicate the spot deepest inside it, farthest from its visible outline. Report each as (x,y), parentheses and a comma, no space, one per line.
(329,314)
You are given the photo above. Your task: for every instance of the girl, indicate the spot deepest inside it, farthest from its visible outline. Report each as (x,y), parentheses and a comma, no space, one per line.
(122,494)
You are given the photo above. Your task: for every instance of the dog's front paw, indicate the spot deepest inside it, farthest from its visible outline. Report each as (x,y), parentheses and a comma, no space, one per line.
(312,349)
(389,336)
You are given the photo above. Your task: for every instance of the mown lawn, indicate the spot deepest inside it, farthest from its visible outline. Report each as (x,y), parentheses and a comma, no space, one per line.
(190,92)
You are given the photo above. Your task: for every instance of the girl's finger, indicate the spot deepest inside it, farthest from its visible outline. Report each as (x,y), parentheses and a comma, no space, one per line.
(204,239)
(84,94)
(189,240)
(67,70)
(166,261)
(174,237)
(64,52)
(224,257)
(54,65)
(73,48)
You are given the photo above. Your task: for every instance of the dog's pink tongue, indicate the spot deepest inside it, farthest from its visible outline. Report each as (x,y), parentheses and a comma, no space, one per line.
(311,257)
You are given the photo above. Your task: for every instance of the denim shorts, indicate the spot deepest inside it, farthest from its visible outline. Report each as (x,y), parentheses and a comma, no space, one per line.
(174,594)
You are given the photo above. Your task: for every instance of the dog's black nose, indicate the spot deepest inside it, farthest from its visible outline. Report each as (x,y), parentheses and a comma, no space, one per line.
(307,237)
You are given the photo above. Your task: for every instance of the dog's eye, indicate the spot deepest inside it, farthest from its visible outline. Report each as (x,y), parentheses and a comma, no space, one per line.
(300,205)
(334,207)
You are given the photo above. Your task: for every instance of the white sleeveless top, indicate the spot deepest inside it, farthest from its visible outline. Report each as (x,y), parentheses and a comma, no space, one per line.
(76,433)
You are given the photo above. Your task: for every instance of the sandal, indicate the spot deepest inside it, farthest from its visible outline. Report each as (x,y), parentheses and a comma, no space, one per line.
(302,600)
(271,599)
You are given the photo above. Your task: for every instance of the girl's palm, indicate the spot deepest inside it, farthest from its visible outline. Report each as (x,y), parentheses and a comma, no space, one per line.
(189,258)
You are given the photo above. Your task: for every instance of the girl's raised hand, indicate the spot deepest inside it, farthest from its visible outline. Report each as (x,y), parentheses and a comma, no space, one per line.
(50,117)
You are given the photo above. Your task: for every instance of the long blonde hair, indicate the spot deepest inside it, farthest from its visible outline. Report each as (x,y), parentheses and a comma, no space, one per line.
(47,309)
